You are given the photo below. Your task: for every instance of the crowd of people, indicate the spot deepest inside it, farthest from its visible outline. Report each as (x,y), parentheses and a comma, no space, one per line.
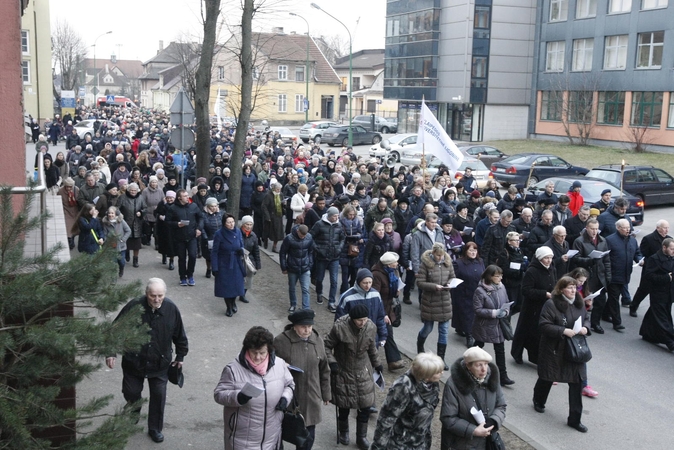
(476,257)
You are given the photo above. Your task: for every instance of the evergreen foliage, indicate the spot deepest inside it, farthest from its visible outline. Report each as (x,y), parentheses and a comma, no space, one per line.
(56,326)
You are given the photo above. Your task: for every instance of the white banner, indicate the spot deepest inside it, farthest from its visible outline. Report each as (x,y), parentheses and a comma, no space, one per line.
(436,140)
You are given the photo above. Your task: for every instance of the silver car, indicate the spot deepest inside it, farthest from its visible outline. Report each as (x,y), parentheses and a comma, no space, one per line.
(393,145)
(85,127)
(314,130)
(481,173)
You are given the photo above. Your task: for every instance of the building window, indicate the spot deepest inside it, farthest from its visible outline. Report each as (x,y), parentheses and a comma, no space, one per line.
(615,52)
(299,73)
(619,6)
(670,123)
(299,103)
(481,17)
(586,8)
(25,47)
(611,110)
(555,57)
(282,72)
(221,72)
(582,55)
(282,103)
(580,106)
(551,105)
(649,49)
(653,4)
(646,109)
(479,69)
(25,72)
(356,83)
(559,10)
(372,106)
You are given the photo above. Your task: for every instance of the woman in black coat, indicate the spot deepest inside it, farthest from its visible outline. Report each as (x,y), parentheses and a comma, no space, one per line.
(537,285)
(163,231)
(514,265)
(468,268)
(556,325)
(256,201)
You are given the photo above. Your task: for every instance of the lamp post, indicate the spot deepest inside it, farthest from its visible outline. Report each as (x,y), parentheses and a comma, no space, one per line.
(314,5)
(306,72)
(95,72)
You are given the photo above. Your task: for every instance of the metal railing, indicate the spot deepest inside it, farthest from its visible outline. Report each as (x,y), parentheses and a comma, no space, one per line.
(41,189)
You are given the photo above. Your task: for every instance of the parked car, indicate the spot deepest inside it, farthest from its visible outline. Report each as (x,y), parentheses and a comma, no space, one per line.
(287,136)
(653,186)
(481,173)
(381,124)
(339,135)
(314,130)
(391,146)
(515,169)
(85,127)
(591,190)
(488,155)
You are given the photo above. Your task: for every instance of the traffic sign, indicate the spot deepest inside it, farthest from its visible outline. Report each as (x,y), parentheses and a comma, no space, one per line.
(110,99)
(379,102)
(182,138)
(182,111)
(306,105)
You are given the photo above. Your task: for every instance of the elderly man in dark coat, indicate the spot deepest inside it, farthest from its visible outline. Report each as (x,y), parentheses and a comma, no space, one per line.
(649,246)
(560,248)
(624,252)
(657,325)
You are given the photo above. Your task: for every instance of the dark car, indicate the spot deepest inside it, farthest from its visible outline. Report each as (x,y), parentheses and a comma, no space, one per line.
(381,124)
(340,136)
(515,169)
(653,186)
(488,155)
(591,190)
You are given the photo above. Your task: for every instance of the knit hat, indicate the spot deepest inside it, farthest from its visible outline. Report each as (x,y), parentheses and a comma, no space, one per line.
(576,184)
(211,201)
(332,211)
(110,186)
(171,194)
(476,354)
(153,178)
(490,194)
(202,186)
(362,274)
(605,191)
(247,219)
(122,182)
(302,317)
(201,180)
(542,252)
(475,194)
(386,220)
(389,258)
(359,311)
(520,201)
(160,171)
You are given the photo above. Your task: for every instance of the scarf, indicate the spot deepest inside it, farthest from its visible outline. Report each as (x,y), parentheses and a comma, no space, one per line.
(570,300)
(260,369)
(277,204)
(72,200)
(392,281)
(246,233)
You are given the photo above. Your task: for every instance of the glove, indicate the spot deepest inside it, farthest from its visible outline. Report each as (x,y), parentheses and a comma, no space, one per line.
(501,313)
(242,398)
(379,368)
(282,404)
(489,422)
(334,368)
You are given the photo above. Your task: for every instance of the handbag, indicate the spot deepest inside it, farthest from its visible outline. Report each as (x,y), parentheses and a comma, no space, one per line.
(494,440)
(576,349)
(293,428)
(250,265)
(506,329)
(398,311)
(353,250)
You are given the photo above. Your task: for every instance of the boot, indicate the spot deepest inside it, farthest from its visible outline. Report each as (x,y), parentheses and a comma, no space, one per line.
(234,308)
(135,261)
(229,312)
(71,243)
(121,271)
(266,243)
(470,341)
(343,431)
(442,348)
(163,259)
(208,269)
(499,352)
(420,344)
(406,299)
(171,266)
(128,256)
(361,436)
(243,297)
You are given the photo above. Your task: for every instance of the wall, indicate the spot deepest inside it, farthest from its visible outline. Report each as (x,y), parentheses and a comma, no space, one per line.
(505,122)
(37,96)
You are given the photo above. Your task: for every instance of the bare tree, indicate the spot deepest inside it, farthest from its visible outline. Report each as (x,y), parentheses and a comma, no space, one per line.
(639,138)
(69,51)
(578,113)
(188,53)
(333,47)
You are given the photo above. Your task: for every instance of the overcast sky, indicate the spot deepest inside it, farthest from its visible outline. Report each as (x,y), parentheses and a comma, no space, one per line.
(138,25)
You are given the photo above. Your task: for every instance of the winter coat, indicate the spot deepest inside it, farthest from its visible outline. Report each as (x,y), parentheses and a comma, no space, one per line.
(247,187)
(538,236)
(152,197)
(212,223)
(374,214)
(576,202)
(273,227)
(558,251)
(512,278)
(421,242)
(600,269)
(375,248)
(166,328)
(458,423)
(402,218)
(436,306)
(312,386)
(624,252)
(256,424)
(227,263)
(405,418)
(375,306)
(657,324)
(574,227)
(380,283)
(556,316)
(163,233)
(460,223)
(250,243)
(297,255)
(559,217)
(119,231)
(494,243)
(328,238)
(87,242)
(129,206)
(487,300)
(354,231)
(463,313)
(190,212)
(71,208)
(87,194)
(355,352)
(607,221)
(297,203)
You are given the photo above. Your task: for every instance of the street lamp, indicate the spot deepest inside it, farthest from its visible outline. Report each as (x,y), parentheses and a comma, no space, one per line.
(95,72)
(306,72)
(314,5)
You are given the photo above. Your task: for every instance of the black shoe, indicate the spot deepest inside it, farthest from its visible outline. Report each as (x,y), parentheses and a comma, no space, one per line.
(235,309)
(171,266)
(121,272)
(518,359)
(156,436)
(538,407)
(208,273)
(620,328)
(470,341)
(460,333)
(319,300)
(670,347)
(243,299)
(505,381)
(135,261)
(163,259)
(597,329)
(633,313)
(579,426)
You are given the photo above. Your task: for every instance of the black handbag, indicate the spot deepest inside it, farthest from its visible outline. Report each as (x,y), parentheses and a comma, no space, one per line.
(506,329)
(576,349)
(494,441)
(293,429)
(398,311)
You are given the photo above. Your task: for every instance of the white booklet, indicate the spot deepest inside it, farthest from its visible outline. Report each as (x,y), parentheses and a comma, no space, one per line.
(477,414)
(577,325)
(594,294)
(571,253)
(454,282)
(251,391)
(596,254)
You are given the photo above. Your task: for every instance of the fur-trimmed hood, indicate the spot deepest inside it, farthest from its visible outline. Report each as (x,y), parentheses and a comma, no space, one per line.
(466,384)
(428,260)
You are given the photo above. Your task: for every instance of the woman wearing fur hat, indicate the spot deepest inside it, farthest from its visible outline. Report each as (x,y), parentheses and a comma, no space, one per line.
(474,382)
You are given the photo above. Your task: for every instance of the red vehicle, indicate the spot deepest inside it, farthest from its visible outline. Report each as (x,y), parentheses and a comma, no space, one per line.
(124,102)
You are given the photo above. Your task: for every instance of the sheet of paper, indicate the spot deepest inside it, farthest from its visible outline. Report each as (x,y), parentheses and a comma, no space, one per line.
(468,230)
(252,391)
(401,285)
(577,325)
(379,380)
(515,265)
(594,294)
(210,245)
(571,253)
(508,305)
(454,282)
(526,234)
(635,231)
(596,254)
(477,415)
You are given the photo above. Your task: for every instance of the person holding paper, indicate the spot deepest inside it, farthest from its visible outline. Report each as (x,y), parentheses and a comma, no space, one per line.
(469,268)
(599,268)
(513,264)
(649,246)
(581,275)
(186,222)
(624,252)
(385,281)
(474,380)
(255,390)
(556,324)
(560,248)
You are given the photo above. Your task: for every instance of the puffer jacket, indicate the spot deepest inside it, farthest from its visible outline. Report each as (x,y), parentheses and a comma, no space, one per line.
(624,252)
(405,418)
(375,248)
(421,242)
(355,352)
(328,238)
(119,231)
(312,386)
(297,255)
(458,423)
(256,424)
(556,316)
(436,306)
(600,269)
(487,300)
(372,300)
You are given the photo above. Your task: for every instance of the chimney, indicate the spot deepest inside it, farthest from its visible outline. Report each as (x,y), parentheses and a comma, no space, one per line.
(277,30)
(107,69)
(161,47)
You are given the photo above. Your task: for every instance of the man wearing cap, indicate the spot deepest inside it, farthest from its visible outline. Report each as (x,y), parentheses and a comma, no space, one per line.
(576,198)
(604,202)
(302,347)
(329,239)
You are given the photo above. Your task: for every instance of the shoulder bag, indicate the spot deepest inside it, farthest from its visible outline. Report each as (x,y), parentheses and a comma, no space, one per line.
(506,328)
(293,429)
(250,265)
(576,349)
(494,441)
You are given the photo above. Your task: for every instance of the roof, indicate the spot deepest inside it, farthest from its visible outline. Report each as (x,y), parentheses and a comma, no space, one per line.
(131,68)
(362,59)
(168,57)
